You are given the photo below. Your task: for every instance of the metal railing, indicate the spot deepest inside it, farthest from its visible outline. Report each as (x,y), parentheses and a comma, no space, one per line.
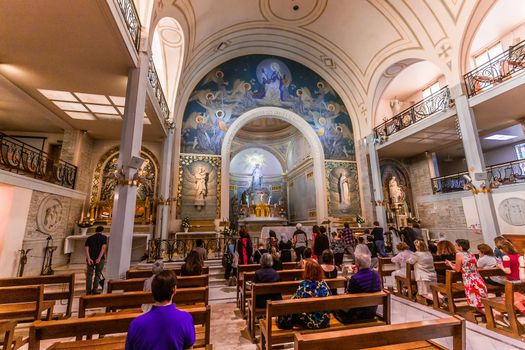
(21,158)
(497,175)
(437,102)
(157,88)
(131,17)
(495,71)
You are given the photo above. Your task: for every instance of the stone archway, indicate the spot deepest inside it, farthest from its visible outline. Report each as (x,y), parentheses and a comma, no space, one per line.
(298,122)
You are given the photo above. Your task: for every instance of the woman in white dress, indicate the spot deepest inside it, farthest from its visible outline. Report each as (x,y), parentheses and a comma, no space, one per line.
(424,271)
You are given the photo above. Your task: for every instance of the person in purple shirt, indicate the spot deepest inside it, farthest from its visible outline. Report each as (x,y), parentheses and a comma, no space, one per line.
(164,327)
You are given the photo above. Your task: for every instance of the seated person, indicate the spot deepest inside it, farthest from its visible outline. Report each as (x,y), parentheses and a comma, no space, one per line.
(401,259)
(312,286)
(266,274)
(373,250)
(156,268)
(486,259)
(276,256)
(164,327)
(203,252)
(365,280)
(258,253)
(424,271)
(192,265)
(328,266)
(307,254)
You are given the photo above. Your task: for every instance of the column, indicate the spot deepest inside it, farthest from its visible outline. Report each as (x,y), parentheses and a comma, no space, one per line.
(122,226)
(165,180)
(476,168)
(377,186)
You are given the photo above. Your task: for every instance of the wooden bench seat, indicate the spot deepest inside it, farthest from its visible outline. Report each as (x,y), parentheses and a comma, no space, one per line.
(271,335)
(411,335)
(133,300)
(105,325)
(56,287)
(406,286)
(453,289)
(505,306)
(385,267)
(24,304)
(286,289)
(146,273)
(137,284)
(284,275)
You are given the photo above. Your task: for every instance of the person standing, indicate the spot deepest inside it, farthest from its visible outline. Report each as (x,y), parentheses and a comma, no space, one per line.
(244,248)
(285,247)
(300,240)
(95,249)
(379,239)
(321,243)
(338,248)
(165,326)
(348,240)
(203,252)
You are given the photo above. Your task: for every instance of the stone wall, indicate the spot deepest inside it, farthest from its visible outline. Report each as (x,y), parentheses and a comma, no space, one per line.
(35,240)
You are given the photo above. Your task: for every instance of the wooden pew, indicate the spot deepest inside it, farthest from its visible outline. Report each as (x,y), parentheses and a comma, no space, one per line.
(7,334)
(271,335)
(118,301)
(137,284)
(103,325)
(241,269)
(52,282)
(24,303)
(385,268)
(505,306)
(286,289)
(453,289)
(145,273)
(411,335)
(408,283)
(284,275)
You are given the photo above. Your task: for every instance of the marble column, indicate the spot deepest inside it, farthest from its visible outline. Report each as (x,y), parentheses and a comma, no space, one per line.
(122,225)
(476,167)
(165,188)
(377,185)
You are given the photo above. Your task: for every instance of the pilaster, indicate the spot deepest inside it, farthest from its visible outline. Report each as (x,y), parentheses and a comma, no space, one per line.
(377,187)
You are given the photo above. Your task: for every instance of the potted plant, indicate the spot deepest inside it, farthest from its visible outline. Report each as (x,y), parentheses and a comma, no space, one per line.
(186,223)
(84,224)
(359,220)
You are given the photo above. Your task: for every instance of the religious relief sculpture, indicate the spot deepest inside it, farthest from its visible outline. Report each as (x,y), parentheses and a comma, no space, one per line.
(201,187)
(397,194)
(50,214)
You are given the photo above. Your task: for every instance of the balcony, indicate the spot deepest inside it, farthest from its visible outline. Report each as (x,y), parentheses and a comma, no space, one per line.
(23,159)
(437,102)
(157,89)
(131,17)
(497,175)
(495,71)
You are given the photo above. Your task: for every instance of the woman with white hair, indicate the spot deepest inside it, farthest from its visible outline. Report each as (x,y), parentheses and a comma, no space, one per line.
(266,274)
(366,280)
(300,241)
(156,268)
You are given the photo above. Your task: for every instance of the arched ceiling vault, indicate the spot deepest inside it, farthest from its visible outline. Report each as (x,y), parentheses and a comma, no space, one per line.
(350,43)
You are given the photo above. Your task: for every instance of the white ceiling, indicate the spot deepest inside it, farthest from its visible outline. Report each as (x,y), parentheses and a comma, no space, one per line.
(412,79)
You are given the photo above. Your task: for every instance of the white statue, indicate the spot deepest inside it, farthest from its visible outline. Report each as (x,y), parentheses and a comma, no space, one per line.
(344,189)
(257,177)
(395,105)
(201,187)
(396,192)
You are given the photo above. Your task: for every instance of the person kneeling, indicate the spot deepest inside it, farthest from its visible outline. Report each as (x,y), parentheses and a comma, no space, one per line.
(164,327)
(365,280)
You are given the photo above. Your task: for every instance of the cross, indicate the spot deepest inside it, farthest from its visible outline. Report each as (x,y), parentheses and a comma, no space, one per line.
(444,50)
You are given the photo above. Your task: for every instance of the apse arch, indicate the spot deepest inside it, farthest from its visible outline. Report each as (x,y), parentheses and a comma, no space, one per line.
(300,124)
(269,149)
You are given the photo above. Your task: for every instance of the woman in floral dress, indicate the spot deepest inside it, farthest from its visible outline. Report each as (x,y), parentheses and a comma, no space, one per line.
(474,285)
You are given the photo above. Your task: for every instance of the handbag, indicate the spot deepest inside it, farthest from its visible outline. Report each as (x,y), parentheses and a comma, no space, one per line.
(285,321)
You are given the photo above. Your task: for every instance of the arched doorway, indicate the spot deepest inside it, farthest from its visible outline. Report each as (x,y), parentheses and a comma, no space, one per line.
(300,124)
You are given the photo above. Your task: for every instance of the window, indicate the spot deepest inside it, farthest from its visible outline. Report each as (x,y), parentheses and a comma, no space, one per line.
(520,153)
(488,54)
(432,89)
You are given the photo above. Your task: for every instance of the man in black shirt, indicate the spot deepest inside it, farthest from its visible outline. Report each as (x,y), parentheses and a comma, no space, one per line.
(379,239)
(95,248)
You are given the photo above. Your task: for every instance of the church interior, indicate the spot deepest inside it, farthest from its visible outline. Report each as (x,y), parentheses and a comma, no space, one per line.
(155,132)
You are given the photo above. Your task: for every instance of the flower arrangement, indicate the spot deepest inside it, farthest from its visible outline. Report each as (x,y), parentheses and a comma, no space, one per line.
(229,232)
(186,222)
(359,219)
(413,220)
(85,222)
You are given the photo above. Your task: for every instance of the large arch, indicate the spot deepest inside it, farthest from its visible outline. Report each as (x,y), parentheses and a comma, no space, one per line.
(298,122)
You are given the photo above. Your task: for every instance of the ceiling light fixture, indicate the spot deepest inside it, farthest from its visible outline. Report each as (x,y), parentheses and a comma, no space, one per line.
(500,137)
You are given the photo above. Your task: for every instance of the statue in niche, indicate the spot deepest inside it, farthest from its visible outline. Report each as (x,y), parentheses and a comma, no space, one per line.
(257,177)
(395,105)
(344,190)
(201,187)
(397,195)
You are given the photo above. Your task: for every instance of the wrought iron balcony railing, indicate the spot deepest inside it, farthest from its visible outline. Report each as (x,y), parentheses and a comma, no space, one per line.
(131,16)
(159,94)
(21,158)
(497,70)
(437,102)
(497,175)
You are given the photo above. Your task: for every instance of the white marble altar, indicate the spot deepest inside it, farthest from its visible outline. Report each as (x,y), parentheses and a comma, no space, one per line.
(289,230)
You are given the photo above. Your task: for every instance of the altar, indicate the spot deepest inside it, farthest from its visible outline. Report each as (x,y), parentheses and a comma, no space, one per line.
(255,225)
(288,230)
